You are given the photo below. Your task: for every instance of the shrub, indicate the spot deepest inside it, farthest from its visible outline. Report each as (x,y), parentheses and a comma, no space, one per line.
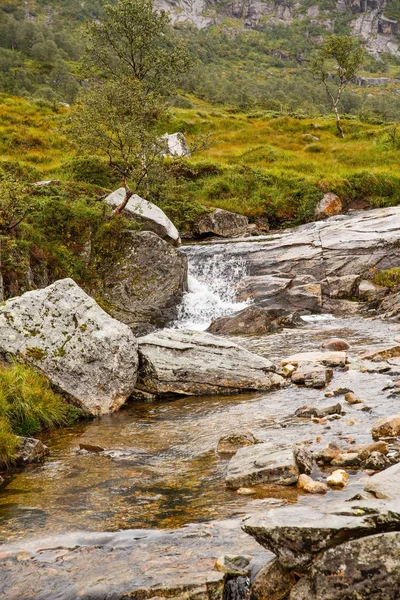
(91,169)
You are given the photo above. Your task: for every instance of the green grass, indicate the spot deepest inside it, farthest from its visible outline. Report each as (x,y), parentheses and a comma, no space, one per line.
(389,278)
(27,405)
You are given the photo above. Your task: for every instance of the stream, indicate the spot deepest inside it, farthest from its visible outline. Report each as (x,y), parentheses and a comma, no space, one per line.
(160,468)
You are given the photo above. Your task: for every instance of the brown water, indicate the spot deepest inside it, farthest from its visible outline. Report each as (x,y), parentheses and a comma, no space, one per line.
(161,469)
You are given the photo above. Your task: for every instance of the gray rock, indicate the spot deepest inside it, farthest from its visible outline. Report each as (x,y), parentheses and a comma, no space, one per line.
(332,254)
(233,564)
(304,459)
(191,363)
(149,215)
(296,534)
(255,320)
(368,291)
(65,334)
(220,222)
(262,464)
(376,461)
(386,484)
(30,450)
(329,359)
(362,568)
(230,444)
(315,376)
(273,582)
(143,287)
(175,145)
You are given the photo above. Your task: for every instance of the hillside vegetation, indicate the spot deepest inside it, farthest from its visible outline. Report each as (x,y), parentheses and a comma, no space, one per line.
(257,163)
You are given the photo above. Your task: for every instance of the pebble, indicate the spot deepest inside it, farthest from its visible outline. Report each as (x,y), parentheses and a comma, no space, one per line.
(351,398)
(246,491)
(307,484)
(338,479)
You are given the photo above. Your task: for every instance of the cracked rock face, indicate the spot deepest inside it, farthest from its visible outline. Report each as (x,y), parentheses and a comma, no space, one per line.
(296,534)
(191,363)
(65,334)
(307,267)
(363,568)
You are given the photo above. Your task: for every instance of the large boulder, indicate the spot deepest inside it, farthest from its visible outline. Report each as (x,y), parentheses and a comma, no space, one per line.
(297,534)
(192,363)
(363,568)
(175,144)
(262,464)
(385,484)
(65,334)
(221,223)
(144,284)
(149,215)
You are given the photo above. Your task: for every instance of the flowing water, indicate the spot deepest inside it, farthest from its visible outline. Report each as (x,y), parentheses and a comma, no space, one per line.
(160,467)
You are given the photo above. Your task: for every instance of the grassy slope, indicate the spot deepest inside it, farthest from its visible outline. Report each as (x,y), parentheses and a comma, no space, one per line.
(257,163)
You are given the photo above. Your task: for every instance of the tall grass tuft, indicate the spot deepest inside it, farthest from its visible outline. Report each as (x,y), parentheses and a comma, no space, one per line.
(27,405)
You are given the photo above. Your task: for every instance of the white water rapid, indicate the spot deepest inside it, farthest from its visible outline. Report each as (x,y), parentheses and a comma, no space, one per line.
(212,280)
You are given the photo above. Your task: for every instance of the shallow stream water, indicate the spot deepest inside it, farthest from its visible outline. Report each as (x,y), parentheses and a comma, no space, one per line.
(160,467)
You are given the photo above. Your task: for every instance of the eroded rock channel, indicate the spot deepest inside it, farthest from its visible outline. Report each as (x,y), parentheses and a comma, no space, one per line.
(141,503)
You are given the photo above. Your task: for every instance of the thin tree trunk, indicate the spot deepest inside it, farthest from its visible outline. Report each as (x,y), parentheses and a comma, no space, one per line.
(338,125)
(128,196)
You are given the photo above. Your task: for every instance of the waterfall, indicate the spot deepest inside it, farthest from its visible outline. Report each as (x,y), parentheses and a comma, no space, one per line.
(212,282)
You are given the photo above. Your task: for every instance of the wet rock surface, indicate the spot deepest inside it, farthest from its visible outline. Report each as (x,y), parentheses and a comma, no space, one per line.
(317,262)
(134,563)
(51,327)
(30,450)
(190,363)
(263,463)
(255,320)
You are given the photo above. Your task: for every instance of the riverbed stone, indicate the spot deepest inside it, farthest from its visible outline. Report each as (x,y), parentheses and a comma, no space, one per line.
(386,427)
(308,485)
(329,359)
(255,320)
(361,568)
(370,292)
(335,344)
(65,334)
(262,464)
(304,458)
(30,450)
(233,564)
(339,478)
(315,376)
(230,444)
(351,398)
(144,284)
(193,363)
(221,223)
(150,216)
(297,533)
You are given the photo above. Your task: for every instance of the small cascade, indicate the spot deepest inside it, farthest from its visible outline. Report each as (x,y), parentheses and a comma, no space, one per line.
(212,282)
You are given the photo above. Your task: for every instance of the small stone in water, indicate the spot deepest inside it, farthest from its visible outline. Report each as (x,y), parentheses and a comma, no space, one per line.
(246,491)
(306,484)
(338,479)
(91,447)
(351,398)
(335,344)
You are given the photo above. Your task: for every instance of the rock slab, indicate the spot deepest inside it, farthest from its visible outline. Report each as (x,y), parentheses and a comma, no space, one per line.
(65,334)
(197,363)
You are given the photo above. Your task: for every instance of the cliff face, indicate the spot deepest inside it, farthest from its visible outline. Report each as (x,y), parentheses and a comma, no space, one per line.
(367,18)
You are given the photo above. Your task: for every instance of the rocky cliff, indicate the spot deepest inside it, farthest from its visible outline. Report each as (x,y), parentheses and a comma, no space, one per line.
(368,18)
